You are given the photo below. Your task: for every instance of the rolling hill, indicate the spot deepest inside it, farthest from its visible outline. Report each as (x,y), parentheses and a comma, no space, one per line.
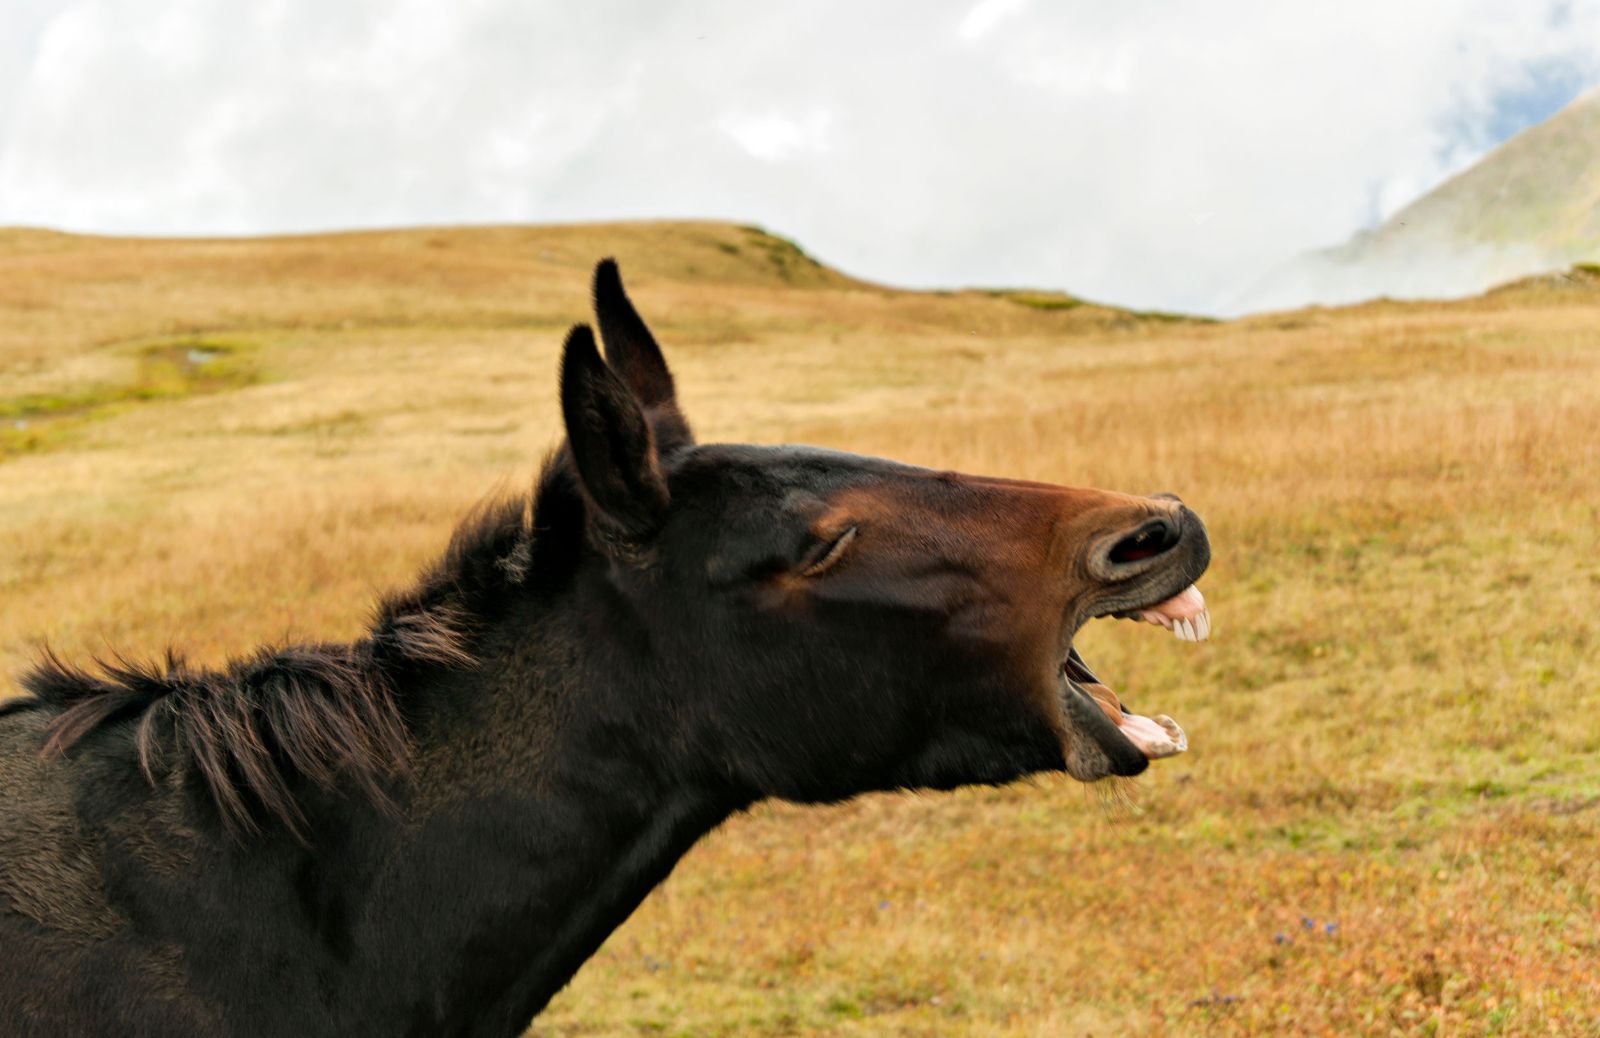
(1530,205)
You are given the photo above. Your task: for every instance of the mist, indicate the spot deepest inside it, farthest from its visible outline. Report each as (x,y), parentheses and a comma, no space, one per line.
(1435,268)
(1156,156)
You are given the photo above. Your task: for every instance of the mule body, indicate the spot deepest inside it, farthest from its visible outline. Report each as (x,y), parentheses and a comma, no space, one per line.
(427,831)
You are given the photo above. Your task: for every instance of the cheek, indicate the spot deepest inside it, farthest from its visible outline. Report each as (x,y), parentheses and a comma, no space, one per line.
(992,626)
(966,607)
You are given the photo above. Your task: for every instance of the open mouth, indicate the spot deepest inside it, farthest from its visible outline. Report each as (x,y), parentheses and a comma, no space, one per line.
(1186,616)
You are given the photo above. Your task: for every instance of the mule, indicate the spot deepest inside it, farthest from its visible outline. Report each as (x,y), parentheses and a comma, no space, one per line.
(428,830)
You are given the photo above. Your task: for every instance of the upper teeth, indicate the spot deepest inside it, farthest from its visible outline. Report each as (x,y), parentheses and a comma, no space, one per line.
(1196,628)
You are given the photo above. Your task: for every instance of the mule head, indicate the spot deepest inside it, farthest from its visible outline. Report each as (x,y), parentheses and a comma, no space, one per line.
(816,624)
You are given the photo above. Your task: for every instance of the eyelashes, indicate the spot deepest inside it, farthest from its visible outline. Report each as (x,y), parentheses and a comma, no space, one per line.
(831,555)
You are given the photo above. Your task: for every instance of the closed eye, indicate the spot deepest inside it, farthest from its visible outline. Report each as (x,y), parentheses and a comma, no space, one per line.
(831,555)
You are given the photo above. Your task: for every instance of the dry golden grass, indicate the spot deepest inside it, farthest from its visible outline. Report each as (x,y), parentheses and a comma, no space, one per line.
(1396,730)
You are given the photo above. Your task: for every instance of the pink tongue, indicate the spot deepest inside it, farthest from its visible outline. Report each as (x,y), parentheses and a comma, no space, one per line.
(1185,605)
(1156,737)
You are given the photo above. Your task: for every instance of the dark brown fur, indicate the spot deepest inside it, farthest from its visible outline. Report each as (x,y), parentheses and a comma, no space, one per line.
(428,830)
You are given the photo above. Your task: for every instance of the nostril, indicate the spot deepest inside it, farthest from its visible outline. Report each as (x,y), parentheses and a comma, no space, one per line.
(1151,539)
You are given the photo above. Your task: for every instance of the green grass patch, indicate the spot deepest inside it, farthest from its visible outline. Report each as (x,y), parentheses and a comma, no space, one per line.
(1038,300)
(1168,317)
(166,369)
(791,263)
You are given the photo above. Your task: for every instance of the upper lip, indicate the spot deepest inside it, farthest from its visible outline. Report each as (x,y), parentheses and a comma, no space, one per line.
(1144,582)
(1128,605)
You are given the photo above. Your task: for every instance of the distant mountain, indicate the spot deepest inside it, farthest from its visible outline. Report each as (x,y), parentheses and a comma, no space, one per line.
(1530,205)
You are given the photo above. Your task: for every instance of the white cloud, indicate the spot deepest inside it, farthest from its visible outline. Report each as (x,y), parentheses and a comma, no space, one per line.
(986,14)
(1146,153)
(774,137)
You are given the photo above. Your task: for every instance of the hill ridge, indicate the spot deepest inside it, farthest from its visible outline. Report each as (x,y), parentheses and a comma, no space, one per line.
(1529,205)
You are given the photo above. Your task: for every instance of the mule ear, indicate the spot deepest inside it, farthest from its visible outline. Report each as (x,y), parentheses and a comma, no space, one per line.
(630,348)
(612,445)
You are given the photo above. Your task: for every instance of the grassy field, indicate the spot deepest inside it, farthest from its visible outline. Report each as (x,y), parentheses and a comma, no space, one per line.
(1389,822)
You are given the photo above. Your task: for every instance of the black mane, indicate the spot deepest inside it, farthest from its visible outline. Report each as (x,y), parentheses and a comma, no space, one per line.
(263,725)
(430,828)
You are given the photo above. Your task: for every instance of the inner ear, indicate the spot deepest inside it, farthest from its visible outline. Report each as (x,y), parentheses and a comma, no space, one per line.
(634,355)
(612,444)
(630,348)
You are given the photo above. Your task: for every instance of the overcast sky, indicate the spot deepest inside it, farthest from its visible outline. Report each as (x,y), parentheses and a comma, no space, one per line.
(1150,154)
